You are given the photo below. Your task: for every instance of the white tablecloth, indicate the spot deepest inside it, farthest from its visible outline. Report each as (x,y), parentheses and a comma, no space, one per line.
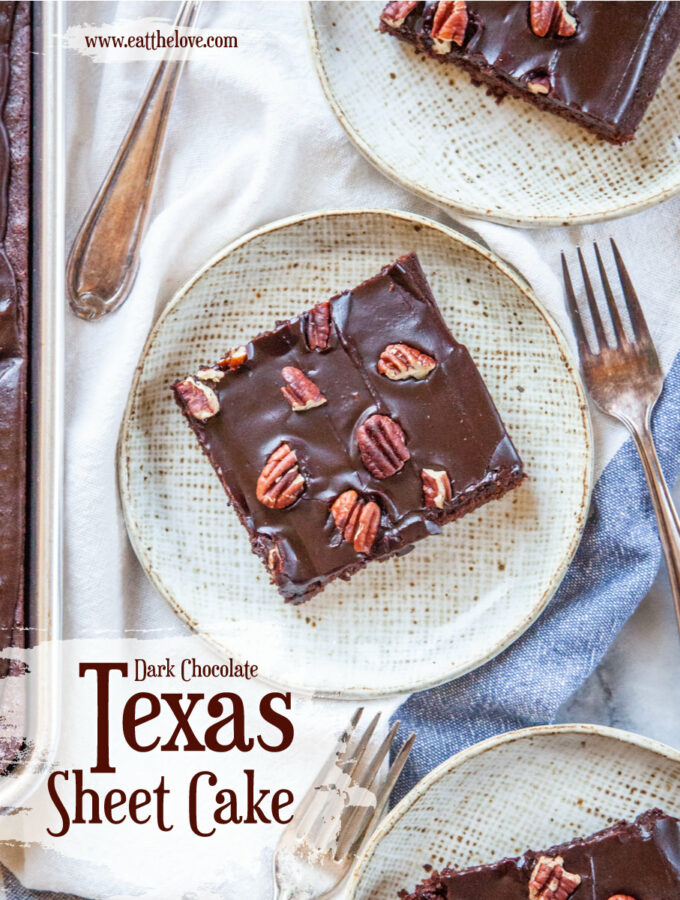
(251,139)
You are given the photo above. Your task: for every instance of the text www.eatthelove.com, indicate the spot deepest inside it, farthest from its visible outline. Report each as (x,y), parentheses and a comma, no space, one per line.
(155,40)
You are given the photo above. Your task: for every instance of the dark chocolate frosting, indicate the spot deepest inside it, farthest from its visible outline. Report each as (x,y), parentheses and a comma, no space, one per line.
(449,420)
(640,860)
(606,73)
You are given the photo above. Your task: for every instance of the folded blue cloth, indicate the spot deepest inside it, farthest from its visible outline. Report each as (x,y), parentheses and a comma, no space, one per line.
(14,889)
(613,569)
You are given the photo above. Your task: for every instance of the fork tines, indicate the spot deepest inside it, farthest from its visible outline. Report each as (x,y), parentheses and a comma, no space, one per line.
(336,812)
(638,325)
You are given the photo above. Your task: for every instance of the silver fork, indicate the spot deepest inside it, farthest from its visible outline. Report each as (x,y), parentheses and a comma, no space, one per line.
(624,378)
(339,811)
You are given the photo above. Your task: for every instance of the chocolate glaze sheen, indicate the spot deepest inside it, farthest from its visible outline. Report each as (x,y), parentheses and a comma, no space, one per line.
(15,49)
(640,860)
(604,76)
(449,420)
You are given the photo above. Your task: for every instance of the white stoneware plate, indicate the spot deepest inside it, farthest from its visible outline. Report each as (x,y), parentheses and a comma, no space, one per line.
(457,599)
(525,790)
(426,126)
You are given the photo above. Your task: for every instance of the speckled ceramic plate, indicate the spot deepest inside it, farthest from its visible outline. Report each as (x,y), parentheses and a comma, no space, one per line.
(457,599)
(428,127)
(527,789)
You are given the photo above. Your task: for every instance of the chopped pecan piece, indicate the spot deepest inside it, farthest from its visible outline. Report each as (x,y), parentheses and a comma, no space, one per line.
(396,11)
(210,373)
(200,400)
(382,444)
(280,482)
(400,361)
(357,520)
(539,84)
(436,487)
(550,881)
(300,391)
(449,25)
(275,560)
(234,358)
(551,18)
(318,326)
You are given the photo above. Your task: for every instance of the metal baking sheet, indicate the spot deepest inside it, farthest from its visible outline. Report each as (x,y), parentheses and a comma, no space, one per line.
(41,687)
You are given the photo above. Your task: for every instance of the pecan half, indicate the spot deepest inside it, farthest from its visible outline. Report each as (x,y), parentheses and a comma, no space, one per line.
(199,399)
(400,361)
(551,18)
(300,391)
(436,487)
(396,11)
(280,482)
(357,520)
(382,445)
(318,326)
(449,25)
(550,881)
(234,358)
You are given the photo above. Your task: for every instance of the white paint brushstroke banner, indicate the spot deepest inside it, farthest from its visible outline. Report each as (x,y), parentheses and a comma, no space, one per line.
(149,39)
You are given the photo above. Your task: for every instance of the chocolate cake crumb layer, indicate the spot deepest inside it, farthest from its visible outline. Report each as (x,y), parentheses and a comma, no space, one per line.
(635,861)
(15,125)
(596,63)
(350,432)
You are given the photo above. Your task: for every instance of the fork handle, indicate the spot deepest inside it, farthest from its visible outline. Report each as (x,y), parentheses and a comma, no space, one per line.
(103,262)
(666,514)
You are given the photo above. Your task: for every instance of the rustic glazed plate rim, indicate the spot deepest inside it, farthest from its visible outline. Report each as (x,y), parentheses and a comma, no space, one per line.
(125,493)
(477,751)
(434,196)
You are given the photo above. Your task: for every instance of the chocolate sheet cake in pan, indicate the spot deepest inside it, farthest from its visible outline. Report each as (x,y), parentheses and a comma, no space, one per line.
(15,136)
(350,432)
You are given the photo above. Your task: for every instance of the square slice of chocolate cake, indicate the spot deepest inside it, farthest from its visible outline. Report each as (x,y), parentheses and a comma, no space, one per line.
(628,861)
(351,431)
(596,63)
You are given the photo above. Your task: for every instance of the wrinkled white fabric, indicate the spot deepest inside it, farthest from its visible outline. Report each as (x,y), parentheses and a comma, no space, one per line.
(250,139)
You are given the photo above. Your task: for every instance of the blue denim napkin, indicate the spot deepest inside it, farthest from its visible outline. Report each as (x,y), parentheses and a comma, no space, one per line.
(13,889)
(612,571)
